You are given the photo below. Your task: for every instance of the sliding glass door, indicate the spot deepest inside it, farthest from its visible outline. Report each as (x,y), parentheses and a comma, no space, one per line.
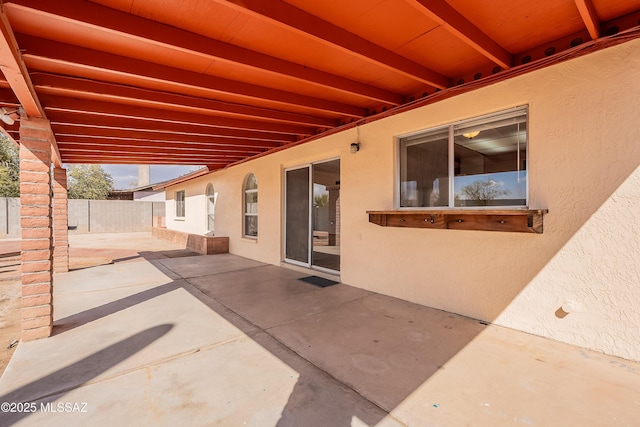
(312,215)
(297,224)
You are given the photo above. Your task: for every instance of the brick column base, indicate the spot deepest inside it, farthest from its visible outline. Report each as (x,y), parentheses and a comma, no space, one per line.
(37,242)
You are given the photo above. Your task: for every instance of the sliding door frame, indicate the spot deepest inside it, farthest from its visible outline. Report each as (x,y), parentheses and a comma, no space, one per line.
(309,263)
(309,168)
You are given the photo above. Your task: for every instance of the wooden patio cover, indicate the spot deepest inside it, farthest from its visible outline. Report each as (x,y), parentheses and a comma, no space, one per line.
(214,82)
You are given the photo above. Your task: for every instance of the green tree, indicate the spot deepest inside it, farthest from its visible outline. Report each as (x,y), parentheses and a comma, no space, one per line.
(89,182)
(484,191)
(321,200)
(9,168)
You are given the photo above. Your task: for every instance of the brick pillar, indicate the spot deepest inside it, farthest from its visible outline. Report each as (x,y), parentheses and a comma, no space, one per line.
(60,221)
(37,242)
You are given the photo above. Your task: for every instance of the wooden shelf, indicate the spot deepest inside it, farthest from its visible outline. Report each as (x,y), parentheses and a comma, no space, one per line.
(510,220)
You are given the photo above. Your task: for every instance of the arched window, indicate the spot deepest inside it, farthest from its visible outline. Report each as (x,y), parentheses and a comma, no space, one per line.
(180,203)
(251,206)
(211,207)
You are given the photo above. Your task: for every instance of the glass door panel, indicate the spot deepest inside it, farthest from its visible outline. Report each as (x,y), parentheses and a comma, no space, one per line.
(326,215)
(297,215)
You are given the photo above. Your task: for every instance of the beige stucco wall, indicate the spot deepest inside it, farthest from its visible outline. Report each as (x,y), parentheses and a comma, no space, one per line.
(584,157)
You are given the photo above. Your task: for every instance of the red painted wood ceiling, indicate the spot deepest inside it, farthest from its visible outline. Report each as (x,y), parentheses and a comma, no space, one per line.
(213,82)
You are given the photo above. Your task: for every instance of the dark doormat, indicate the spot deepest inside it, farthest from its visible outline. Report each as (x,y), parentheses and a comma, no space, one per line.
(320,282)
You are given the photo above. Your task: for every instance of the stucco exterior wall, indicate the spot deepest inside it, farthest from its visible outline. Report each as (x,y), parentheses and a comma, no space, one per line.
(584,158)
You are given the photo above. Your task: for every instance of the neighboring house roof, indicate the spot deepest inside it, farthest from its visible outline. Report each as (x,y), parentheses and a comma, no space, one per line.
(186,177)
(158,186)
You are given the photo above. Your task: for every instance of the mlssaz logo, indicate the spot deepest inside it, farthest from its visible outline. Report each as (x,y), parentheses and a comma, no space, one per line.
(64,407)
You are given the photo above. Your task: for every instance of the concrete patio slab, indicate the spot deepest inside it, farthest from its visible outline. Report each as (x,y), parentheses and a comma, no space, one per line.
(386,347)
(188,267)
(187,325)
(234,384)
(422,364)
(507,378)
(97,278)
(249,344)
(256,291)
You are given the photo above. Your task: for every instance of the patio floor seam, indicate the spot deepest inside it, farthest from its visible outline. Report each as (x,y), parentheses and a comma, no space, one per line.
(221,272)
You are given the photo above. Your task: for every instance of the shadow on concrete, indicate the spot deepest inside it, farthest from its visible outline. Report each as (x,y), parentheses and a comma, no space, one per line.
(78,319)
(127,258)
(87,316)
(55,385)
(374,352)
(358,354)
(362,357)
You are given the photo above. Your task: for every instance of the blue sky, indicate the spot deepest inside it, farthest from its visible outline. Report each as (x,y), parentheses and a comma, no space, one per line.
(514,182)
(126,176)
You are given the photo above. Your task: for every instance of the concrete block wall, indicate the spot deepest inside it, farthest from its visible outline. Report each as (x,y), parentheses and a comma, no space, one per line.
(91,216)
(10,217)
(79,215)
(125,216)
(159,210)
(112,216)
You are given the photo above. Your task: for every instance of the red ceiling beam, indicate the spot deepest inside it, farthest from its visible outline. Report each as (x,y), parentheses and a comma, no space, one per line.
(89,155)
(93,158)
(194,157)
(72,105)
(441,12)
(132,160)
(138,125)
(290,17)
(45,55)
(93,90)
(113,22)
(589,16)
(17,75)
(15,71)
(127,136)
(108,143)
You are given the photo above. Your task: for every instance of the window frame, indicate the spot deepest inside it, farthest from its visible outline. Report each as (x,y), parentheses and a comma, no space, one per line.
(451,128)
(211,197)
(246,214)
(180,203)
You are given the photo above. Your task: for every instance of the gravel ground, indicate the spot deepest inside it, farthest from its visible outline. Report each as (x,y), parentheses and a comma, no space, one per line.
(9,308)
